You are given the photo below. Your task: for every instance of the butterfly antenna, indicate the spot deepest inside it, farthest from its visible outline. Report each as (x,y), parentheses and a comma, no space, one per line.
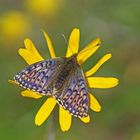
(66,42)
(64,38)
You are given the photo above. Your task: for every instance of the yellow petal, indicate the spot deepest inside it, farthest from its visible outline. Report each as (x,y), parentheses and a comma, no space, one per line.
(45,111)
(73,45)
(30,94)
(102,82)
(30,46)
(65,119)
(85,119)
(29,57)
(88,51)
(98,65)
(13,82)
(94,104)
(50,45)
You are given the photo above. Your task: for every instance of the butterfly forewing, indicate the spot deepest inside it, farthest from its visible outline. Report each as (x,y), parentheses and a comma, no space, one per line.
(38,76)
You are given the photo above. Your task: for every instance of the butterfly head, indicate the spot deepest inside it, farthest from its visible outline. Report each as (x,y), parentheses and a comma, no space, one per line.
(73,59)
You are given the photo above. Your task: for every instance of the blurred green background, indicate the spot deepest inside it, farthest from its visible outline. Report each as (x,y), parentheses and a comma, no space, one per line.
(117,23)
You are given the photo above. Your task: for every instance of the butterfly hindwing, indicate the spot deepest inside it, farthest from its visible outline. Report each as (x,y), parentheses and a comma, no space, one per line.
(37,76)
(74,96)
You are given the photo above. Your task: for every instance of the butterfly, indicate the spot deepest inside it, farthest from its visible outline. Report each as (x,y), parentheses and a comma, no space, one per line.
(61,78)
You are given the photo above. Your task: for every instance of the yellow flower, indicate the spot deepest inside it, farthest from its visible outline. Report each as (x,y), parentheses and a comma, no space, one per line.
(31,55)
(43,8)
(13,25)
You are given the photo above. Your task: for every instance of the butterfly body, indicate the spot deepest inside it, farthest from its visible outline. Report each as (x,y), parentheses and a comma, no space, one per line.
(61,78)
